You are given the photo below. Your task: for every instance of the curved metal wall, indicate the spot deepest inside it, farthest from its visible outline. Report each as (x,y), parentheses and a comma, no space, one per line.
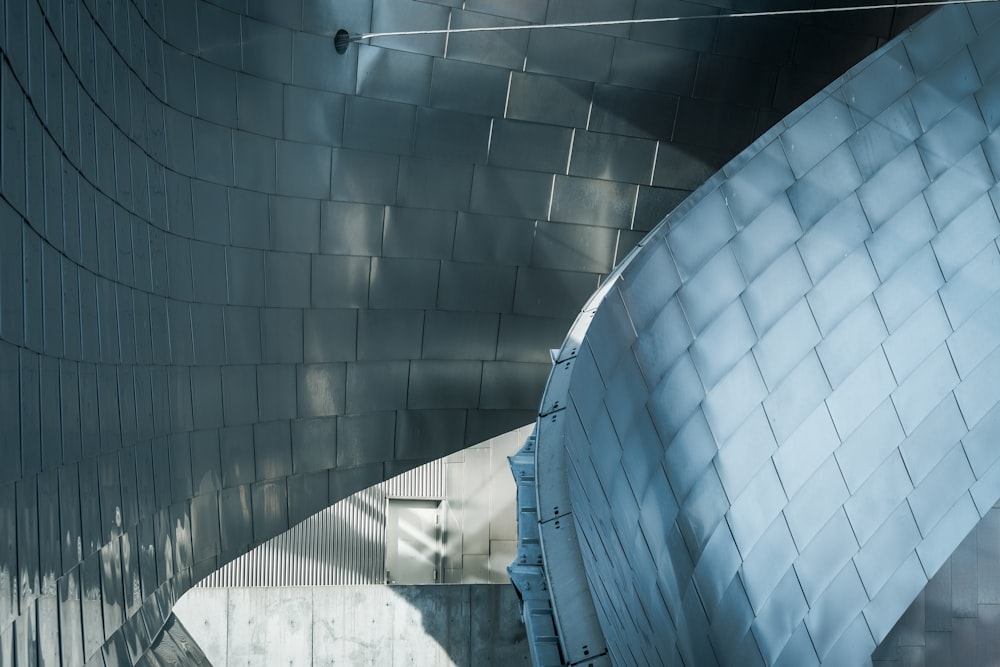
(242,277)
(781,412)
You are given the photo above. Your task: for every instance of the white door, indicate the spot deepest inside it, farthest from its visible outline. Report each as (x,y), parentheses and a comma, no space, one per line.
(413,542)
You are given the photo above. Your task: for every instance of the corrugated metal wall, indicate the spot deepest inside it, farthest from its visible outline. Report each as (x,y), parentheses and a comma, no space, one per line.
(343,544)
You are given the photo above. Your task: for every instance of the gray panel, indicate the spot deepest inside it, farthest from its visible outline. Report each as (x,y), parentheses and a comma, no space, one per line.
(294,224)
(716,284)
(473,287)
(403,282)
(774,291)
(303,170)
(314,444)
(316,64)
(531,146)
(377,125)
(258,105)
(491,188)
(895,184)
(451,134)
(432,183)
(313,116)
(470,87)
(548,99)
(963,294)
(925,388)
(547,51)
(418,233)
(350,229)
(268,50)
(364,177)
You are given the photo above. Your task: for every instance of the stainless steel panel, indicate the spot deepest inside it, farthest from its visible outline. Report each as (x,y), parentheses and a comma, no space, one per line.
(317,65)
(672,402)
(777,620)
(547,51)
(418,233)
(364,177)
(819,499)
(403,283)
(826,185)
(895,184)
(393,75)
(942,487)
(959,186)
(295,221)
(209,206)
(235,518)
(943,146)
(910,286)
(717,284)
(971,287)
(754,186)
(330,335)
(925,388)
(452,135)
(856,397)
(216,90)
(276,392)
(947,536)
(436,184)
(258,105)
(378,125)
(939,93)
(870,444)
(548,99)
(314,444)
(592,202)
(827,620)
(239,394)
(364,439)
(886,550)
(870,506)
(805,450)
(393,15)
(209,334)
(347,228)
(270,505)
(501,48)
(287,279)
(775,290)
(419,432)
(438,384)
(537,292)
(213,148)
(842,290)
(475,287)
(267,49)
(478,339)
(468,87)
(965,236)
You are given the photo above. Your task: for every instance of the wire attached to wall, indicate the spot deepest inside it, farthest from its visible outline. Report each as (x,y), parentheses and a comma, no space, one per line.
(343,38)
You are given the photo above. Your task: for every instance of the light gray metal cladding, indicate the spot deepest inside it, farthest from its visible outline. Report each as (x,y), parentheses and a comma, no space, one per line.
(242,276)
(780,412)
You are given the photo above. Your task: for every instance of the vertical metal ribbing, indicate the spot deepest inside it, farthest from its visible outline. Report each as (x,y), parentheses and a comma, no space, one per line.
(344,544)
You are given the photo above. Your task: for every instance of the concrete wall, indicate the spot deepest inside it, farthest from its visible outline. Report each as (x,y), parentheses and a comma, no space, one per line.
(429,626)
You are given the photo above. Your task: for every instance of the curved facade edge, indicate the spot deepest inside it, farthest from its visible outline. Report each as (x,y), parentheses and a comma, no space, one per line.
(780,408)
